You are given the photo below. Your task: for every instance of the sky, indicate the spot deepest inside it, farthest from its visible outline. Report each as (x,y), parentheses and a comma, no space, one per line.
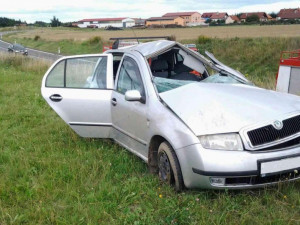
(74,10)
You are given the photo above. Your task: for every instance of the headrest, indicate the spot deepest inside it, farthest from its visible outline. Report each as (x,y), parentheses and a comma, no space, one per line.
(159,65)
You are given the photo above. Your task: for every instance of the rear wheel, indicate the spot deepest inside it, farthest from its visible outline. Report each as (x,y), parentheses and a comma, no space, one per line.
(168,167)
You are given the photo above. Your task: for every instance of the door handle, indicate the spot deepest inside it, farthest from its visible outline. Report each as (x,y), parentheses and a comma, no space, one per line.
(114,102)
(56,98)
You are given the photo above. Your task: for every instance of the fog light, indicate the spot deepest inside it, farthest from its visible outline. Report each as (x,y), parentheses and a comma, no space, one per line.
(217,181)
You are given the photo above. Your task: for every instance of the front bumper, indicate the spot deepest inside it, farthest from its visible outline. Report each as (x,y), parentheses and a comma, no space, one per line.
(241,169)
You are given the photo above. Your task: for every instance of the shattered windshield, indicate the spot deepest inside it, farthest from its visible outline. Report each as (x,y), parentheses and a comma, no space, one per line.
(164,84)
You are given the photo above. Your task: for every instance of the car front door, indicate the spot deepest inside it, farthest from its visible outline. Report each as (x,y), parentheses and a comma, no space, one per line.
(79,90)
(130,117)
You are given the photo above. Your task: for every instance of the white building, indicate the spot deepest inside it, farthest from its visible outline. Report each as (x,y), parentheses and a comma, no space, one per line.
(106,22)
(232,19)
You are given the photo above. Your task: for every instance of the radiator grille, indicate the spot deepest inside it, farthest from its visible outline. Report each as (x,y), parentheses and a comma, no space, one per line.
(269,134)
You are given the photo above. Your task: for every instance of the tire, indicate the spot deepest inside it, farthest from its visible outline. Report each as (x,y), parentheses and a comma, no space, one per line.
(168,167)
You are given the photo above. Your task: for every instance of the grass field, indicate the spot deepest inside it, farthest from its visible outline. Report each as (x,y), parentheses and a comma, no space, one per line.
(58,34)
(77,41)
(49,175)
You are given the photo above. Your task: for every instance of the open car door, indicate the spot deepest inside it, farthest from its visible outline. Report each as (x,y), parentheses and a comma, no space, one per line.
(79,89)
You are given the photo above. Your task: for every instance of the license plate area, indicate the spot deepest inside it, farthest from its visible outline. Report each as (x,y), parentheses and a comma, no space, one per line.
(279,166)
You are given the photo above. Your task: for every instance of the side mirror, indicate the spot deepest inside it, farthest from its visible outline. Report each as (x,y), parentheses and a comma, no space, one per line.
(134,95)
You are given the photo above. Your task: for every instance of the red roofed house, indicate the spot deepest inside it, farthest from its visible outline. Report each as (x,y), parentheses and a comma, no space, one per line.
(263,17)
(106,22)
(190,18)
(162,21)
(219,16)
(232,19)
(288,14)
(207,15)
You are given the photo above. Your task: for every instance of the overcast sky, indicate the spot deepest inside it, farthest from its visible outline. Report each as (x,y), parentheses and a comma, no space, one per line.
(73,10)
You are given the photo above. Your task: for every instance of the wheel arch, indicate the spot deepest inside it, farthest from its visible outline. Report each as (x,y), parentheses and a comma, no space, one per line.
(154,144)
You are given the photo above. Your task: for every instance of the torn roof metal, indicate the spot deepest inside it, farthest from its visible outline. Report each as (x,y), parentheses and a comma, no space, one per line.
(155,48)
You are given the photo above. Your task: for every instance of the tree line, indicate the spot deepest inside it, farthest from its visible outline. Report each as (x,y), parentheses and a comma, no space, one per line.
(6,22)
(54,22)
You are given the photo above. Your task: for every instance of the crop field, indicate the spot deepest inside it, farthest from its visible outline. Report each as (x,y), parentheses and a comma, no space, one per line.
(49,175)
(57,34)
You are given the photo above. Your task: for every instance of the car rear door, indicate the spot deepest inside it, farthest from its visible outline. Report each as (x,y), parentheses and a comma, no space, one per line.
(79,89)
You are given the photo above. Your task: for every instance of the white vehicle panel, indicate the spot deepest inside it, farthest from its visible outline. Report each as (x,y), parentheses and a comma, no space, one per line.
(86,110)
(280,165)
(283,80)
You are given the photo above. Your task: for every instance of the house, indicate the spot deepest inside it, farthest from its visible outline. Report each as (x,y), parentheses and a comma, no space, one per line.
(106,22)
(232,19)
(263,17)
(190,18)
(289,14)
(139,22)
(208,15)
(174,20)
(219,16)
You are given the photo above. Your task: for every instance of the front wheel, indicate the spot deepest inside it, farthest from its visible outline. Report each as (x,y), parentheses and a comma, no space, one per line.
(168,167)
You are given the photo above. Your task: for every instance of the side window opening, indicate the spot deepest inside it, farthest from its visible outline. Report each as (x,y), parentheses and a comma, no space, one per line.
(177,67)
(170,65)
(130,77)
(85,72)
(116,63)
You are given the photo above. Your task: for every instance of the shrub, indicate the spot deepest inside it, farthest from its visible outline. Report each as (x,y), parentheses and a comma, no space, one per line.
(95,40)
(203,39)
(252,19)
(172,38)
(36,37)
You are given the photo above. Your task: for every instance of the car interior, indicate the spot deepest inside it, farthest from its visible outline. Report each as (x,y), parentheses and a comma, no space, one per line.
(176,67)
(172,65)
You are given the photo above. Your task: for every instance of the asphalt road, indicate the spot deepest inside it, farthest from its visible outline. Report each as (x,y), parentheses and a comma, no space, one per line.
(31,52)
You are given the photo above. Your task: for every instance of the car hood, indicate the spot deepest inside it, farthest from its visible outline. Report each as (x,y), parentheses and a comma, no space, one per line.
(224,108)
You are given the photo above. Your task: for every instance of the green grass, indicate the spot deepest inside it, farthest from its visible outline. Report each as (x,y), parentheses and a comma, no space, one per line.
(257,58)
(67,47)
(49,175)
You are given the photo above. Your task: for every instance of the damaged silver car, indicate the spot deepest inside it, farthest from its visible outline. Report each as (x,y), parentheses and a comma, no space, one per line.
(195,121)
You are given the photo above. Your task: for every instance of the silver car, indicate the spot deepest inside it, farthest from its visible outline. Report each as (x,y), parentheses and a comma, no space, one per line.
(196,122)
(17,48)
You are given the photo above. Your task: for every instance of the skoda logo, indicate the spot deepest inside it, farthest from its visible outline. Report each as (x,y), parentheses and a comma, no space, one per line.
(278,125)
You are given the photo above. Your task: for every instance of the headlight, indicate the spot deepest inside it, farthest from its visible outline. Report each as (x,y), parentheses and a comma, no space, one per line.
(230,142)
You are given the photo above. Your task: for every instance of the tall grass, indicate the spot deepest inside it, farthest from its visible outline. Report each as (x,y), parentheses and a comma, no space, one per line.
(49,175)
(23,63)
(257,58)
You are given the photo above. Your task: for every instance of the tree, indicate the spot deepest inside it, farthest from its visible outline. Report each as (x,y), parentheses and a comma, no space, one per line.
(273,14)
(252,19)
(55,22)
(208,21)
(41,24)
(239,15)
(6,22)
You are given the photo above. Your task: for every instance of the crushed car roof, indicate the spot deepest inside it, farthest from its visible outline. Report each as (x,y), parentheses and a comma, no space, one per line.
(149,48)
(153,48)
